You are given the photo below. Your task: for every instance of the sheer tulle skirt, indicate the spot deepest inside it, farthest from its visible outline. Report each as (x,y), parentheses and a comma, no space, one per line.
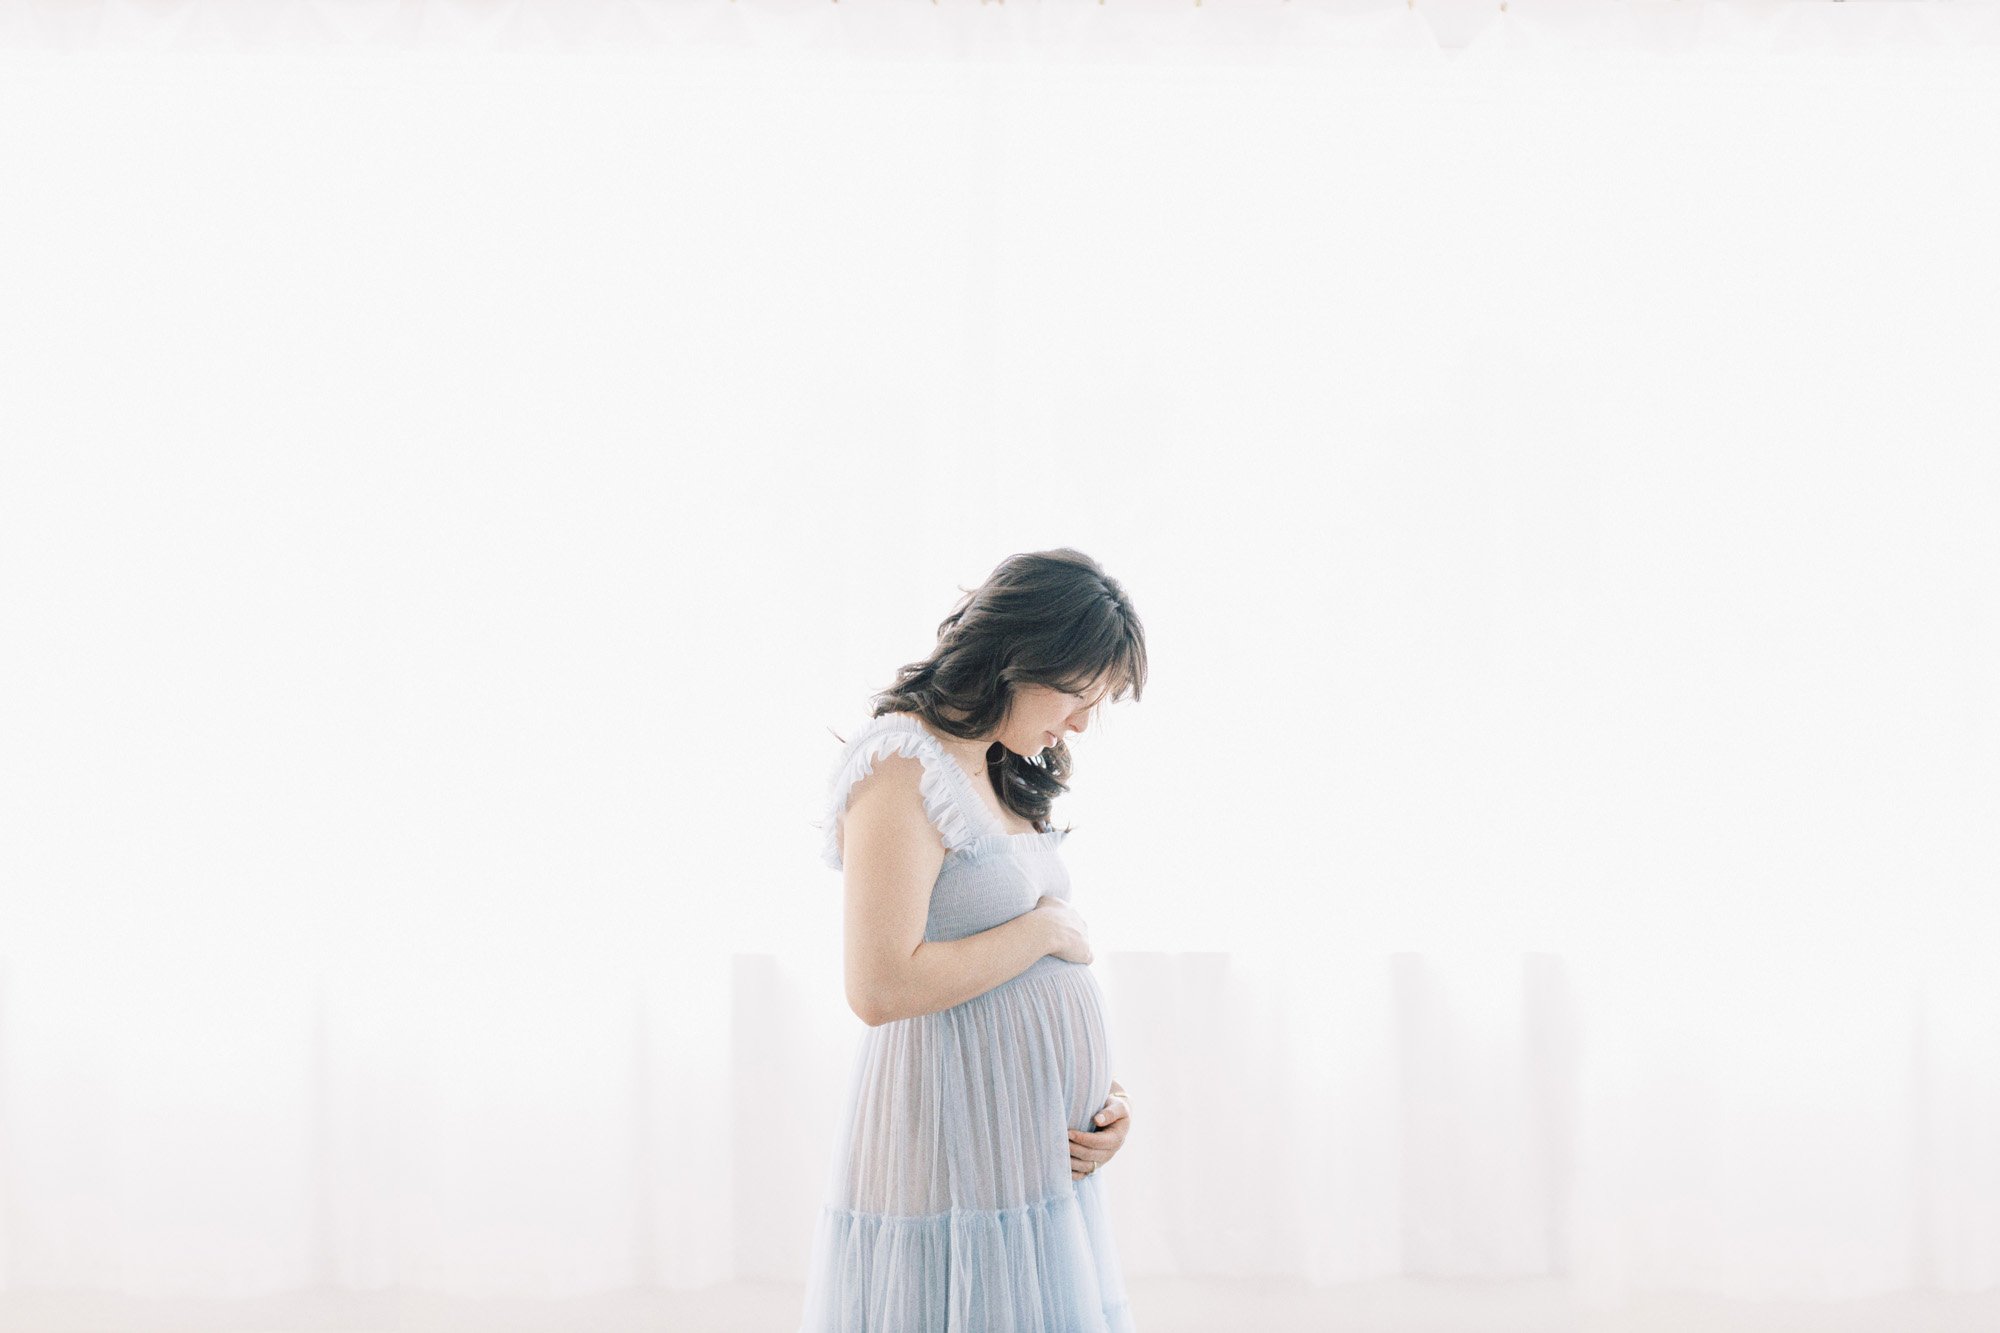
(950,1205)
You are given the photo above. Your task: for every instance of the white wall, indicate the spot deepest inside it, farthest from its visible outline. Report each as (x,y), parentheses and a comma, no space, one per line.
(461,461)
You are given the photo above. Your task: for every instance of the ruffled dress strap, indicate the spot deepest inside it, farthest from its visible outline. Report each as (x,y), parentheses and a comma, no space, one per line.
(949,800)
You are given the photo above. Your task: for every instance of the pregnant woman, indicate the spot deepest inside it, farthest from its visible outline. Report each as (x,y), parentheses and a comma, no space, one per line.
(965,1195)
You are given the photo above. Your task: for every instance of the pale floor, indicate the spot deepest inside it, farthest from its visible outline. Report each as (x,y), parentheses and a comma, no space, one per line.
(1159,1306)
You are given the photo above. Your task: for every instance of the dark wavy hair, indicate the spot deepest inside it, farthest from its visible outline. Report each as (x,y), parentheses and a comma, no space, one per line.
(1051,618)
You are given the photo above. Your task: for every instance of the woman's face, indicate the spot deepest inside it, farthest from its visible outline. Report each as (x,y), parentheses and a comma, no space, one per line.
(1041,716)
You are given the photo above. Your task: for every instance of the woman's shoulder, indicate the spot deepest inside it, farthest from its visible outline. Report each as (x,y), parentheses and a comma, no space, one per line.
(889,736)
(885,733)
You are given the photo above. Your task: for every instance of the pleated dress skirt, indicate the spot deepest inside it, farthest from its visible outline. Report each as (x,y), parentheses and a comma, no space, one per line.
(952,1209)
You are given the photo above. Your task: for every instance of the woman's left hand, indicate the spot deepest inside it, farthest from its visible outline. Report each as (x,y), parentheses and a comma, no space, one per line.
(1099,1146)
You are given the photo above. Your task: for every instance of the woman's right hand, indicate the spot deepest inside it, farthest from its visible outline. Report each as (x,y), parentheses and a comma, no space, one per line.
(1069,936)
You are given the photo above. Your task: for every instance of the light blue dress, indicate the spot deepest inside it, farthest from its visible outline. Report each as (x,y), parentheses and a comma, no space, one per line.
(950,1208)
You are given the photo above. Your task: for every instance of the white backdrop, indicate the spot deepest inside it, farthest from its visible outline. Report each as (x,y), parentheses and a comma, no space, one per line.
(461,460)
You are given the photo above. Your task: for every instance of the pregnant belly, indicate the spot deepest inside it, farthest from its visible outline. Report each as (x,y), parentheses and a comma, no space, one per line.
(1043,1030)
(969,1107)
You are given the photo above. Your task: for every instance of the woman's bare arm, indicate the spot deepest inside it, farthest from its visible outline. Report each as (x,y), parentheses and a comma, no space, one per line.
(892,855)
